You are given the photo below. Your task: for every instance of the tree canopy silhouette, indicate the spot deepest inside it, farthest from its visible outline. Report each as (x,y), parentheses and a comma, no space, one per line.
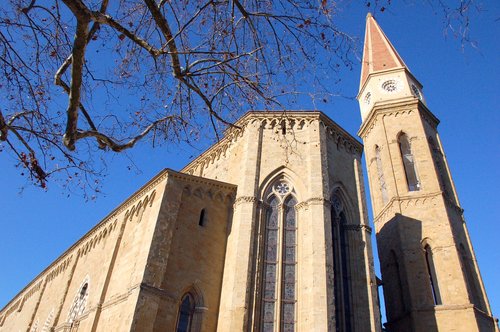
(98,74)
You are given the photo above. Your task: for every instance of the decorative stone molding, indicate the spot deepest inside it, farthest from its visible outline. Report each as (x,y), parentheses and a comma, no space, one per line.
(350,227)
(275,121)
(59,269)
(397,205)
(204,193)
(312,201)
(244,199)
(138,208)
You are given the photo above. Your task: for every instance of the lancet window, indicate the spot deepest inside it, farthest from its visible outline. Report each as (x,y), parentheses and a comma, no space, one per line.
(278,295)
(380,173)
(340,248)
(186,313)
(438,161)
(470,278)
(432,275)
(408,163)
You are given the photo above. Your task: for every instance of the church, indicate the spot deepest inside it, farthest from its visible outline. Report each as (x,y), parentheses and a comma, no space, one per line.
(268,231)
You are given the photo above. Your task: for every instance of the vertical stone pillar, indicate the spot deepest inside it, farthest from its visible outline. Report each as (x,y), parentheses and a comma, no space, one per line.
(315,301)
(237,279)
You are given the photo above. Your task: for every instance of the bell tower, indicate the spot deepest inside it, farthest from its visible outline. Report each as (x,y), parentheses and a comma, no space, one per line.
(430,276)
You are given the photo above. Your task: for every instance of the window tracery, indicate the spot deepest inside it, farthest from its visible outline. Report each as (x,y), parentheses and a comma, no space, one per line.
(278,296)
(80,301)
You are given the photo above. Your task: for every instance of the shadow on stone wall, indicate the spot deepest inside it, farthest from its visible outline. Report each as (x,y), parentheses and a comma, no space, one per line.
(407,293)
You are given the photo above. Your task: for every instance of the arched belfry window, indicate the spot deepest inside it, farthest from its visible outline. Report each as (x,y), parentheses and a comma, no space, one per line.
(341,271)
(470,278)
(380,174)
(408,163)
(431,271)
(437,155)
(186,313)
(278,295)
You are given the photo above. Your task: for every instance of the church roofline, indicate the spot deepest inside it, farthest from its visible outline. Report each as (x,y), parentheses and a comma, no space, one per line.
(394,106)
(231,132)
(163,174)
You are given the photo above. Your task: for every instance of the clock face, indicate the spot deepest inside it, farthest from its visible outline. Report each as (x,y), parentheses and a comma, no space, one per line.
(391,86)
(416,91)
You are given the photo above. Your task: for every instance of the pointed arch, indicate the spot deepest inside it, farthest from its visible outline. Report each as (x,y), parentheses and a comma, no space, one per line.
(470,275)
(408,162)
(190,310)
(431,272)
(340,214)
(283,173)
(277,303)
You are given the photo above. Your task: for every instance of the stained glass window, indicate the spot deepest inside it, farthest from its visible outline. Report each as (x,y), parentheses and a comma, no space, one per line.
(340,266)
(270,263)
(278,286)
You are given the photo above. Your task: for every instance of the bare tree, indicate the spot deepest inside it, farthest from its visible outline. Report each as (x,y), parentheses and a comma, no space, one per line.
(102,74)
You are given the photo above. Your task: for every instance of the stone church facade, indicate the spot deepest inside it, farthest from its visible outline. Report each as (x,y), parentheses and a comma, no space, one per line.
(268,231)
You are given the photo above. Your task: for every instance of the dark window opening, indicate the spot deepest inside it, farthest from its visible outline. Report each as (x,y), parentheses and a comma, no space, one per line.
(83,291)
(432,275)
(341,270)
(202,221)
(186,313)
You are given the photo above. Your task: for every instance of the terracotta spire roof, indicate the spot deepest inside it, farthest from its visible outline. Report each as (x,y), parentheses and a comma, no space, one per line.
(378,52)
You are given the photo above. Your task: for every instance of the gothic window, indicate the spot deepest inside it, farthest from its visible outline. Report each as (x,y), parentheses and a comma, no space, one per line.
(380,173)
(278,295)
(340,248)
(438,161)
(408,163)
(186,313)
(431,271)
(470,277)
(79,303)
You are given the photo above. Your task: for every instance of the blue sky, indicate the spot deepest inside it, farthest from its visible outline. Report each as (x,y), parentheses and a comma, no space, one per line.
(461,89)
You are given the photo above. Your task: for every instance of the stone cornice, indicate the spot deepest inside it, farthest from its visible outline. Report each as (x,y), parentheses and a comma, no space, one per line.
(416,199)
(227,188)
(395,107)
(313,201)
(350,227)
(53,269)
(270,120)
(244,199)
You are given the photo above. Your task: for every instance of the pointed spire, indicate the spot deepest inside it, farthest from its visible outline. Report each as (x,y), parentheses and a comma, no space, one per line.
(378,52)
